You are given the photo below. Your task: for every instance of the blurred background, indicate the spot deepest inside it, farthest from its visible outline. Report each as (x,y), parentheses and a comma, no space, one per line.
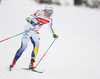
(88,3)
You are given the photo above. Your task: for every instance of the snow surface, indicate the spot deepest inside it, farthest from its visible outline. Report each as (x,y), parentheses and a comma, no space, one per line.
(75,55)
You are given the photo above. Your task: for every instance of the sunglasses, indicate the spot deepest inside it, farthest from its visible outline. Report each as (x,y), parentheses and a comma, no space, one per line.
(49,12)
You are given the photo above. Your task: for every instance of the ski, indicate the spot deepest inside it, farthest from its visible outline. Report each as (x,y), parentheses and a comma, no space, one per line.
(10,68)
(33,70)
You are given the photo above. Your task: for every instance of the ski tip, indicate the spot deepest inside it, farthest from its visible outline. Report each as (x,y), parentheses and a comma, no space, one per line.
(42,71)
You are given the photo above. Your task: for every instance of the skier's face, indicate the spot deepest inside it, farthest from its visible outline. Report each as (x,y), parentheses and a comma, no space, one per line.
(49,13)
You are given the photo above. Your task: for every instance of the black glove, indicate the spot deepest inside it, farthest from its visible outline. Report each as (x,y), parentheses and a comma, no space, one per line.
(55,36)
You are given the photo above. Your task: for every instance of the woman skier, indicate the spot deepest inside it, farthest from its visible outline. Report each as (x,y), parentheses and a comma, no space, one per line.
(35,21)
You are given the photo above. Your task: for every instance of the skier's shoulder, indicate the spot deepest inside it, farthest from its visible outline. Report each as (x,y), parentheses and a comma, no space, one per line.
(39,11)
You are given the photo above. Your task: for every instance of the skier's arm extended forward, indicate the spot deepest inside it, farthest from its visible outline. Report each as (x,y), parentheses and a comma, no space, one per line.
(52,30)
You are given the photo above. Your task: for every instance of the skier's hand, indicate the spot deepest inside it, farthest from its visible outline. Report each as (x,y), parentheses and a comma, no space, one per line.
(55,36)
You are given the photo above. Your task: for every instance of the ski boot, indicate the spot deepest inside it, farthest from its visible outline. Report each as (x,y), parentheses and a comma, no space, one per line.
(12,65)
(31,65)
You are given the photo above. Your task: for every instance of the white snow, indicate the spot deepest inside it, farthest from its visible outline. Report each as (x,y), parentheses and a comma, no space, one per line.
(75,55)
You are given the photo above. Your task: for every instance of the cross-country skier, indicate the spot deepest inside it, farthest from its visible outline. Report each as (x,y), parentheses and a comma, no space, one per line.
(36,20)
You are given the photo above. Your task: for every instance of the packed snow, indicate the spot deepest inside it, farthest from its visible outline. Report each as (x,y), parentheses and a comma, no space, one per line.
(74,55)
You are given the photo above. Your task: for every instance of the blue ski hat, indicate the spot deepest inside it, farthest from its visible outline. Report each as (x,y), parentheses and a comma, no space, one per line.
(49,7)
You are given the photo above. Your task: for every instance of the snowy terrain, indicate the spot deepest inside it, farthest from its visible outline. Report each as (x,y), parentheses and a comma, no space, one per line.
(75,55)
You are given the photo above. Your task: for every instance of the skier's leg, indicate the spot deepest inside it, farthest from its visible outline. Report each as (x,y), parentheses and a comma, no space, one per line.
(35,43)
(24,44)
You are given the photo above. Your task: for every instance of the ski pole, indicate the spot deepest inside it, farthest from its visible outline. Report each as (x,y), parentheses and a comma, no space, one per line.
(17,35)
(45,53)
